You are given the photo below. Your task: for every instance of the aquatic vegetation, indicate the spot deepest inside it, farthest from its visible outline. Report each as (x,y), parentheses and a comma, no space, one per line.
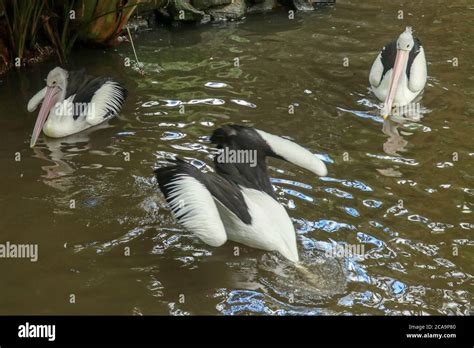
(30,30)
(19,29)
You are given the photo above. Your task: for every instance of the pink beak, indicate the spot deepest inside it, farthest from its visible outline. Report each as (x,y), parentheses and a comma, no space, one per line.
(48,103)
(400,64)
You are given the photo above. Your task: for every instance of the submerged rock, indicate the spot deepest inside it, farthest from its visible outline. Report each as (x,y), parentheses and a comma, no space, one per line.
(233,11)
(204,4)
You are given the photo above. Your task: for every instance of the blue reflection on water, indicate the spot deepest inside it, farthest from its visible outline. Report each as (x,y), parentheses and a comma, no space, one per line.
(207,101)
(290,182)
(125,133)
(365,238)
(398,287)
(356,184)
(332,226)
(339,193)
(356,272)
(363,114)
(298,194)
(305,226)
(349,300)
(172,135)
(172,103)
(352,211)
(244,301)
(324,157)
(372,203)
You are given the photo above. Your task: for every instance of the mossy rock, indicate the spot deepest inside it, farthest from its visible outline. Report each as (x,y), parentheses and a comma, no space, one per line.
(233,11)
(182,10)
(204,4)
(303,5)
(151,5)
(310,5)
(264,6)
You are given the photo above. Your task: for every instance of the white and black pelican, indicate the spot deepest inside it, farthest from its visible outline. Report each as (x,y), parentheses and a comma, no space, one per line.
(73,101)
(398,74)
(237,202)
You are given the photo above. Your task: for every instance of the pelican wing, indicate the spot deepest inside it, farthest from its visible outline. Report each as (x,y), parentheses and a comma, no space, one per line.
(192,197)
(250,170)
(95,97)
(375,76)
(107,101)
(383,63)
(418,74)
(36,100)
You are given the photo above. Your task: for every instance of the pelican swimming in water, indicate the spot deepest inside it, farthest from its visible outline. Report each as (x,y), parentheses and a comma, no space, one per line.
(73,101)
(398,74)
(237,202)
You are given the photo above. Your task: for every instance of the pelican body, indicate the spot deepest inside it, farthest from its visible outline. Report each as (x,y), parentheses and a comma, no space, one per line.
(237,202)
(398,74)
(73,101)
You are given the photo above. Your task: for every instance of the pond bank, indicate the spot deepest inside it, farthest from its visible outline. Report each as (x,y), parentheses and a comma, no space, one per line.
(33,31)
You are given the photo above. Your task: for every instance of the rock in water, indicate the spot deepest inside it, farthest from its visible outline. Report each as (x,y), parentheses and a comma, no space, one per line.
(233,11)
(182,10)
(263,6)
(204,4)
(303,5)
(309,5)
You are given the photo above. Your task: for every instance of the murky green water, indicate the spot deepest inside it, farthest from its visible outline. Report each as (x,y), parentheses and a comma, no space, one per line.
(411,210)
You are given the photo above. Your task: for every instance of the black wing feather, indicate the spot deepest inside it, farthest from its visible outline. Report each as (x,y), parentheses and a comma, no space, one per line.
(226,192)
(85,86)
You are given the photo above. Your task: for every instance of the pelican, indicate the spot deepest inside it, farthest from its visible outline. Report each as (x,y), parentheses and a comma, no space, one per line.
(73,101)
(237,202)
(398,74)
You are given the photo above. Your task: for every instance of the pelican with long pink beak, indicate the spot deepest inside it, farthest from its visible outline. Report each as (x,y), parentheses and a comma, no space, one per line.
(398,74)
(73,101)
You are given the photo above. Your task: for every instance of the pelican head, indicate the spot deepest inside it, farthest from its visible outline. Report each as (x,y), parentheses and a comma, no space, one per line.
(54,92)
(405,43)
(405,40)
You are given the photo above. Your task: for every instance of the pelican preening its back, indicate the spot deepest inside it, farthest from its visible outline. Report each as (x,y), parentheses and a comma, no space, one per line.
(73,101)
(398,74)
(237,202)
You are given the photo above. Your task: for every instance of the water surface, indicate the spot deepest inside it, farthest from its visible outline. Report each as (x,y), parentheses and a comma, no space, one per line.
(411,209)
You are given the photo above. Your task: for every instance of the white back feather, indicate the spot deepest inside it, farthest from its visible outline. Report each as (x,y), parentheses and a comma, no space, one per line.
(271,228)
